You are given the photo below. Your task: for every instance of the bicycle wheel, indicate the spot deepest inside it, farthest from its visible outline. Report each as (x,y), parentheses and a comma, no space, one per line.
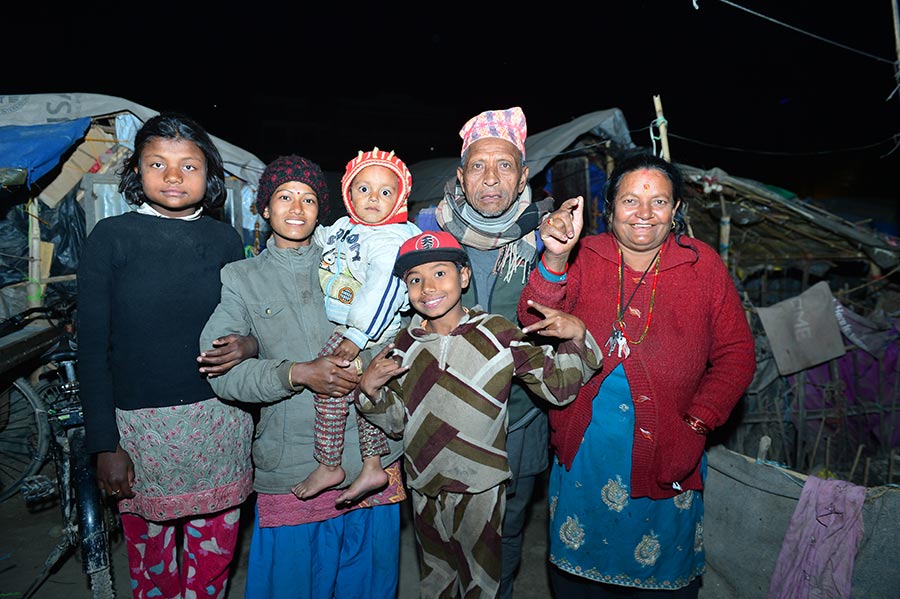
(102,584)
(24,435)
(90,515)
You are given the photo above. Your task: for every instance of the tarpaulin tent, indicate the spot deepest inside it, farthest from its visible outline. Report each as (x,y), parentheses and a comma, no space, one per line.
(38,109)
(28,152)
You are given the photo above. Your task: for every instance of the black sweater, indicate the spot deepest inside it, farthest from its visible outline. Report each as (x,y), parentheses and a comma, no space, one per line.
(146,287)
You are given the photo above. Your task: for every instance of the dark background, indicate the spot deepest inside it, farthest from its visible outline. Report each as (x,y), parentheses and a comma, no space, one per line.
(739,91)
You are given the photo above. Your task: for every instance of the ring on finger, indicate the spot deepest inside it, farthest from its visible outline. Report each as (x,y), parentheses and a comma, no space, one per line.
(116,492)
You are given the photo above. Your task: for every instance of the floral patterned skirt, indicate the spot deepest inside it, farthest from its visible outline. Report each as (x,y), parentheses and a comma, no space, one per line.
(598,531)
(189,460)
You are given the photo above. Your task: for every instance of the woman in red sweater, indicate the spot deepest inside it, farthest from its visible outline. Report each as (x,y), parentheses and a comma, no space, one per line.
(626,508)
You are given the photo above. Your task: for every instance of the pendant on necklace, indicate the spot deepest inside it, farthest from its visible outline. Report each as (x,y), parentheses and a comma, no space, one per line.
(618,342)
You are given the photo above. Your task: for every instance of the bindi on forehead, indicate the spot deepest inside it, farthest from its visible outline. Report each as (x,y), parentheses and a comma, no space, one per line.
(647,178)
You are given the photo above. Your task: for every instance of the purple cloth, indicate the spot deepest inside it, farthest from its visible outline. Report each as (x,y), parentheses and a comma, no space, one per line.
(864,379)
(819,547)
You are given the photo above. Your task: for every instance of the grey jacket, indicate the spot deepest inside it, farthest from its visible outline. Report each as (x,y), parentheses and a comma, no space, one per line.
(276,297)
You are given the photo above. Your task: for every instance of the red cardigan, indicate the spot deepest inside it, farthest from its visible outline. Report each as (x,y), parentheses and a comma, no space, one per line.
(698,355)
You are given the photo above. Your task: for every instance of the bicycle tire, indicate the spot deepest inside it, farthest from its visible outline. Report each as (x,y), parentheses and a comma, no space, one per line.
(91,515)
(102,584)
(50,391)
(24,435)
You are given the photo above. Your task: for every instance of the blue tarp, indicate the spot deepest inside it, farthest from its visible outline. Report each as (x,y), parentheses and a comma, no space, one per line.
(38,148)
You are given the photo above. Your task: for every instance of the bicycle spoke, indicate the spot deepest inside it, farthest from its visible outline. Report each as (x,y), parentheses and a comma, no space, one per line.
(24,436)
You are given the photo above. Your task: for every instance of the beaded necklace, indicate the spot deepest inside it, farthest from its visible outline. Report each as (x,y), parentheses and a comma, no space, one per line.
(617,338)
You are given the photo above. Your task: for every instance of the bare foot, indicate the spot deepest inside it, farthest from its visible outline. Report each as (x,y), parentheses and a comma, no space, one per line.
(323,477)
(371,478)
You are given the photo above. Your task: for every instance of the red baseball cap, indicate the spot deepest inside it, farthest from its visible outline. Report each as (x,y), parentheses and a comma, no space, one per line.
(430,246)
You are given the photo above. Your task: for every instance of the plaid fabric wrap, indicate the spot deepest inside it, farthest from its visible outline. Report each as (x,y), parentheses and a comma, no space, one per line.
(518,244)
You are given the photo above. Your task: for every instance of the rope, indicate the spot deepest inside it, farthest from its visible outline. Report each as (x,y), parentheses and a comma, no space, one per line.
(657,122)
(880,279)
(797,29)
(892,138)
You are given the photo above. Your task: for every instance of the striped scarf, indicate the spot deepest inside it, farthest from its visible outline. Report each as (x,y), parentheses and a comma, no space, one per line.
(517,242)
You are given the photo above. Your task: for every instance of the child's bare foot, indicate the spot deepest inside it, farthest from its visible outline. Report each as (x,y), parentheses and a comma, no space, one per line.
(323,477)
(371,478)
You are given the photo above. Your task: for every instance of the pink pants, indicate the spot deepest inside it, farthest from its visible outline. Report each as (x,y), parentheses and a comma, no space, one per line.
(207,554)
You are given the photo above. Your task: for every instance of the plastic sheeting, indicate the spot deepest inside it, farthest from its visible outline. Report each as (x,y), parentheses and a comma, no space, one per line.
(47,108)
(62,226)
(37,148)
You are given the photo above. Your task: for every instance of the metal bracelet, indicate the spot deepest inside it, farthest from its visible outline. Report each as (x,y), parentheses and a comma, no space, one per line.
(697,425)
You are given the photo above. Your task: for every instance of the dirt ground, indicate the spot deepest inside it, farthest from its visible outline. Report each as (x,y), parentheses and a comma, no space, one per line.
(28,538)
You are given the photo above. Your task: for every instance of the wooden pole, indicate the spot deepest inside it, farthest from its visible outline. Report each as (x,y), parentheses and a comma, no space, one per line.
(866,472)
(663,128)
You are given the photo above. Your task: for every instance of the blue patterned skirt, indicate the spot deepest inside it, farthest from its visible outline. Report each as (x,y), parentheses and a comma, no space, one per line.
(598,531)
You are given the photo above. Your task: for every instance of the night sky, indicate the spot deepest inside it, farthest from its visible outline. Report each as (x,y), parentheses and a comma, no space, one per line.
(739,91)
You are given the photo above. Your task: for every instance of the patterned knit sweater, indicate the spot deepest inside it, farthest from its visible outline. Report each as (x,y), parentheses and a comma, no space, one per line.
(697,357)
(451,405)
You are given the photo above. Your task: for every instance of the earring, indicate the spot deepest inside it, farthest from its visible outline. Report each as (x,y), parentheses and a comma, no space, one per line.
(673,224)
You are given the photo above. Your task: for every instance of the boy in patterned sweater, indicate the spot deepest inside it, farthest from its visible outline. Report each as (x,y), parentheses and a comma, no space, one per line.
(443,385)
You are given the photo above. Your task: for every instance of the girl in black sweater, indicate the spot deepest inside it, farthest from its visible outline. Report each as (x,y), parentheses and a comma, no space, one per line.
(175,457)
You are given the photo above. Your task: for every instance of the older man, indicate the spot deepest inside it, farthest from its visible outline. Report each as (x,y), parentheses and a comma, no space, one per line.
(488,209)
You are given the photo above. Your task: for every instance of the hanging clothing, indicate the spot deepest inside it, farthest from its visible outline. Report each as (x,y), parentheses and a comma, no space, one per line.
(820,545)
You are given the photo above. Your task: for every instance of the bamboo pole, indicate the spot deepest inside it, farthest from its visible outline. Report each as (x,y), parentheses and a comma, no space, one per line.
(892,420)
(664,139)
(33,289)
(855,462)
(785,448)
(801,417)
(663,128)
(839,407)
(815,449)
(890,473)
(764,443)
(724,230)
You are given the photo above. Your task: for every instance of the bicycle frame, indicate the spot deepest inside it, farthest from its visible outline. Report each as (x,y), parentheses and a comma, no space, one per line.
(80,501)
(83,510)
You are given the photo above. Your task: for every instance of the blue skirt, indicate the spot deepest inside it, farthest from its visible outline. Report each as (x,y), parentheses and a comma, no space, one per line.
(354,556)
(598,531)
